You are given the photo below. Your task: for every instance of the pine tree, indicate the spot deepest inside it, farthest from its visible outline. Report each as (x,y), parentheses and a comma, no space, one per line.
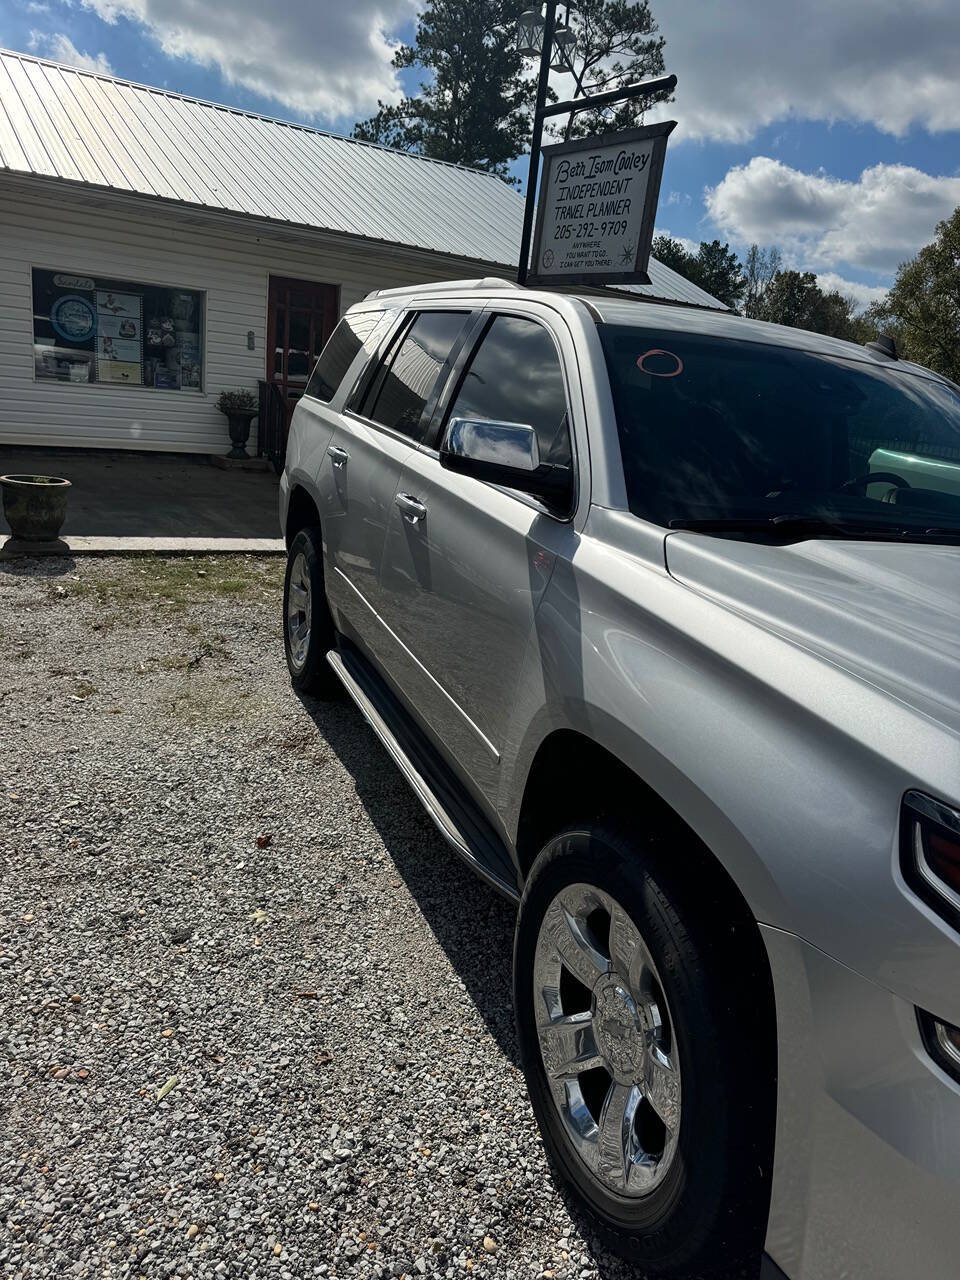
(714,267)
(473,107)
(617,44)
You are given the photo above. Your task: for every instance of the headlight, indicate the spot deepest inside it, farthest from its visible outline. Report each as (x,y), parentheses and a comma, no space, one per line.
(930,855)
(942,1041)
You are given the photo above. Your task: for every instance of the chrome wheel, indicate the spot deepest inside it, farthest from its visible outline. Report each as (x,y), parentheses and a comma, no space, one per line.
(606,1040)
(299,610)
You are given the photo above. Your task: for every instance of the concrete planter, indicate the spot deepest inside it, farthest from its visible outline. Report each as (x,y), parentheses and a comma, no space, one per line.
(35,506)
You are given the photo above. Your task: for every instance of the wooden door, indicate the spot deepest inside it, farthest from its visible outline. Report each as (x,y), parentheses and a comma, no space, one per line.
(301,318)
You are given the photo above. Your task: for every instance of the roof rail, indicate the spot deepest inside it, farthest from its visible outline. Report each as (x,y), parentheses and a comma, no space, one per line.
(444,286)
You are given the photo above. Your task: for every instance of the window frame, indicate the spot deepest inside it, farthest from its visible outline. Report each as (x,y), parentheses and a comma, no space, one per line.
(200,391)
(451,388)
(371,378)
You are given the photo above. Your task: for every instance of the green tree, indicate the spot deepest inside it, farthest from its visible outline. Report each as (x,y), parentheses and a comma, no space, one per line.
(794,298)
(714,267)
(672,254)
(922,310)
(617,44)
(473,105)
(719,271)
(474,102)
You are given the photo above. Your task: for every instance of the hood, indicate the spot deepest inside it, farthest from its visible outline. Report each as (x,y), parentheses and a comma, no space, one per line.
(888,613)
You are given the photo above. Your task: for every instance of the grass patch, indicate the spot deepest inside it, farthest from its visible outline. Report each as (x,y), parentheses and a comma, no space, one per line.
(178,581)
(210,705)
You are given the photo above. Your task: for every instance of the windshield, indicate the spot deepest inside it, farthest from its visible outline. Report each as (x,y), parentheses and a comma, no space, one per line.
(717,430)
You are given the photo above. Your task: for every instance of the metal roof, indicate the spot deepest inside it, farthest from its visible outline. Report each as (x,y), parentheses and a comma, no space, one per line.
(84,127)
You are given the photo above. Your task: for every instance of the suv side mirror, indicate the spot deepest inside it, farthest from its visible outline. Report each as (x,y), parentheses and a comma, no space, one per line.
(506,453)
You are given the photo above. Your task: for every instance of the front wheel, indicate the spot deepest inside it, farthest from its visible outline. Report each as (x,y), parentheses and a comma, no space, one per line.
(308,632)
(647,1060)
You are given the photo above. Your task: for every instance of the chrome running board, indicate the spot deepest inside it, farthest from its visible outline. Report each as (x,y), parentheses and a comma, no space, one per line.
(381,711)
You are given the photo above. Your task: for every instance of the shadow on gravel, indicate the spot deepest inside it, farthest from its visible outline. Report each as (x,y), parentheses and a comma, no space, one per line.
(39,566)
(472,922)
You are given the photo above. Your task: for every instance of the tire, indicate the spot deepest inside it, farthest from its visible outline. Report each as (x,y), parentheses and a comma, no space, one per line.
(690,1029)
(308,631)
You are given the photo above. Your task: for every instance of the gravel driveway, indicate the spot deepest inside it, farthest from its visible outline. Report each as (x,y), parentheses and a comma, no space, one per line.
(254,1017)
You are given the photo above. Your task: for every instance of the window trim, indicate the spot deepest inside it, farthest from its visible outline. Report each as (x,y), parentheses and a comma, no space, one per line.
(369,383)
(200,391)
(451,387)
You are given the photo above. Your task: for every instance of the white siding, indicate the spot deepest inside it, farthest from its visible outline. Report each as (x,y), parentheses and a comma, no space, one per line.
(131,239)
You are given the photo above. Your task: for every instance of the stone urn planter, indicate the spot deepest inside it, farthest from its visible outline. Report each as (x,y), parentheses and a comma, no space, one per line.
(240,409)
(35,506)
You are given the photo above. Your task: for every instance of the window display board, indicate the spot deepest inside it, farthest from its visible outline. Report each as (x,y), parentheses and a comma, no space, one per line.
(116,332)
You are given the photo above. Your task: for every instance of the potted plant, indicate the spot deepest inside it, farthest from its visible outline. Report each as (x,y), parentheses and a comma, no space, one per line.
(240,408)
(35,506)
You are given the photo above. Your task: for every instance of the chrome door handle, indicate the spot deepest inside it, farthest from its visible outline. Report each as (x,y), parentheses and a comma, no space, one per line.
(339,456)
(413,510)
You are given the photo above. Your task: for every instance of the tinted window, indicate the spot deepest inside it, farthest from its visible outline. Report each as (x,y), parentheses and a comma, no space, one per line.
(719,428)
(399,397)
(515,376)
(338,355)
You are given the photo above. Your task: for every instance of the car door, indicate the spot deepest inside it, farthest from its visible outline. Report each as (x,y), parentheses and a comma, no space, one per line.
(466,563)
(382,424)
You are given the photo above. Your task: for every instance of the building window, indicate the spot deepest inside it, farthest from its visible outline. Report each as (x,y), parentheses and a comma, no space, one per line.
(115,332)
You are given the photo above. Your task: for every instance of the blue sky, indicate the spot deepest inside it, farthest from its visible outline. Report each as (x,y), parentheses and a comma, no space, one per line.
(800,126)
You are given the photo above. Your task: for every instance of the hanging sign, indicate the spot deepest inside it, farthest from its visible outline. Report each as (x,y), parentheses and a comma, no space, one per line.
(596,209)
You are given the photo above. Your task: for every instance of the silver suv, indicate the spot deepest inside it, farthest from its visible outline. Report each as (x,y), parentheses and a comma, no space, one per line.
(658,611)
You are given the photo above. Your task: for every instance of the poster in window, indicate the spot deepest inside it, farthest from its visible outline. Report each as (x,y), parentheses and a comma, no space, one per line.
(73,318)
(110,326)
(118,349)
(119,304)
(167,379)
(190,360)
(119,346)
(123,371)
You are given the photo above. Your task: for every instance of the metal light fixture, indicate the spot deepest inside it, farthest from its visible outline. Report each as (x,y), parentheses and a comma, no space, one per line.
(530,26)
(563,44)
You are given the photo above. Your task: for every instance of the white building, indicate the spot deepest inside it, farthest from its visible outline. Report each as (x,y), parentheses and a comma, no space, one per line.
(155,250)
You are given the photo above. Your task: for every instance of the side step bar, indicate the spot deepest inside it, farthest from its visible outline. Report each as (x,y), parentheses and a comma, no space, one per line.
(468,833)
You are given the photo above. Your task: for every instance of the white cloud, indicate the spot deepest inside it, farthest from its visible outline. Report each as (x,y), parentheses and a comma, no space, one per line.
(59,46)
(317,57)
(871,224)
(743,64)
(862,294)
(691,246)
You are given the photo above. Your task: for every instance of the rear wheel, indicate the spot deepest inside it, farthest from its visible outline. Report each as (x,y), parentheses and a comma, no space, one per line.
(308,631)
(647,1066)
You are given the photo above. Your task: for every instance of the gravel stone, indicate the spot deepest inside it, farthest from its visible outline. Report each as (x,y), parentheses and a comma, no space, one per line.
(343,1096)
